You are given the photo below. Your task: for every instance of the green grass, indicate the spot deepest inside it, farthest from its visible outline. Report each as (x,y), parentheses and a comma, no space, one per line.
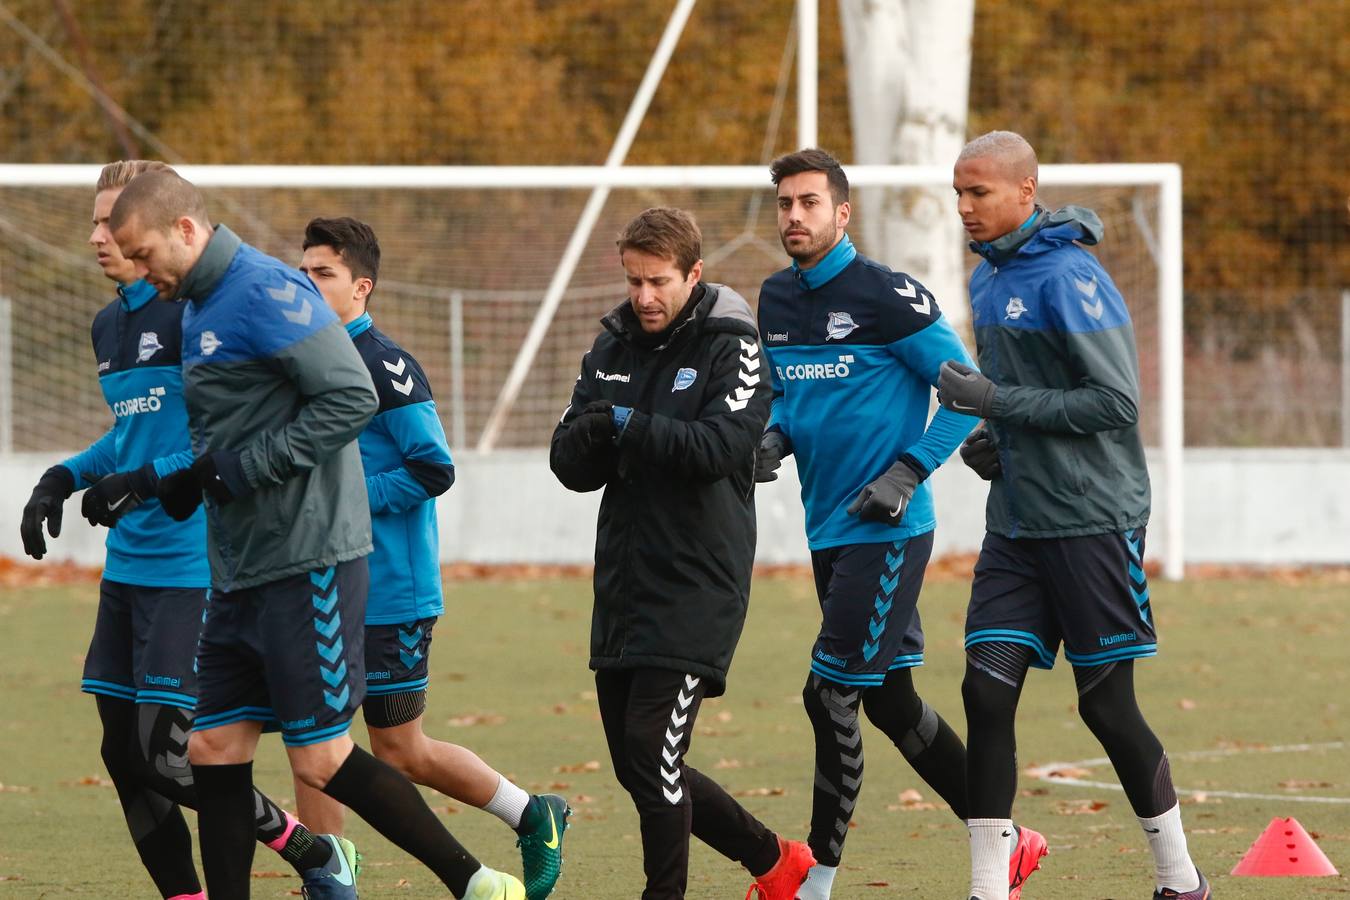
(1244,664)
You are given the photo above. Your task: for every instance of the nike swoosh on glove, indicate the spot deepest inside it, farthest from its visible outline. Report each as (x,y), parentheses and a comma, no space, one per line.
(887,498)
(965,390)
(113,496)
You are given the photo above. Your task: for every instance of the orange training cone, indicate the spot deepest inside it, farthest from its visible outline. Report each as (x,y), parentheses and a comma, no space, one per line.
(1283,849)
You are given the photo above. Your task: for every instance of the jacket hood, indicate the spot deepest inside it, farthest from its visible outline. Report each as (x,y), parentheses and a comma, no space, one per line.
(1048,232)
(716,307)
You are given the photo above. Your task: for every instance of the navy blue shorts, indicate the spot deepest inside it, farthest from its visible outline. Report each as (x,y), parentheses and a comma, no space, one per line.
(289,651)
(1090,592)
(144,644)
(397,656)
(869,604)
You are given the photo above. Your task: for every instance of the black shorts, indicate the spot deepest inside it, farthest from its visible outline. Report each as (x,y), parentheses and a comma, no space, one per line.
(869,604)
(289,651)
(397,656)
(145,644)
(1089,592)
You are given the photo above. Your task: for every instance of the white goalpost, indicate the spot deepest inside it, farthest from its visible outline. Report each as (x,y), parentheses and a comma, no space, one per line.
(1141,205)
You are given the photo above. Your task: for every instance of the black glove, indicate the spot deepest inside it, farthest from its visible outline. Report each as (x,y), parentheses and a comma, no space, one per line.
(113,496)
(773,446)
(46,504)
(593,428)
(887,498)
(980,452)
(964,390)
(218,474)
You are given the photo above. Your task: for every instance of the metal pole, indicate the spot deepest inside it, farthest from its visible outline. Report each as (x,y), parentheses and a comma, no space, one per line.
(1345,368)
(1170,325)
(457,411)
(6,379)
(515,380)
(808,72)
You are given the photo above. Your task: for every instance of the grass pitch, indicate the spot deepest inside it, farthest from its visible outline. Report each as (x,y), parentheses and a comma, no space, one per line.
(1247,669)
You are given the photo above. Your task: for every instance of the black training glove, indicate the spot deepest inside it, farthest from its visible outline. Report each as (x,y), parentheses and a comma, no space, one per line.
(773,446)
(218,474)
(113,496)
(45,505)
(887,498)
(980,452)
(593,428)
(964,390)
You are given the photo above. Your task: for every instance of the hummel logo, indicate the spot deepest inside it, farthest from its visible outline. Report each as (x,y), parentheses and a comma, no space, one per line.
(403,387)
(299,316)
(1089,290)
(210,344)
(924,307)
(396,369)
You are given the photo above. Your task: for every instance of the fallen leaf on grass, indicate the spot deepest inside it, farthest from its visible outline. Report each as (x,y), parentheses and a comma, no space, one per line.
(1068,772)
(1080,807)
(89,781)
(1297,784)
(727,764)
(1184,703)
(476,719)
(15,789)
(272,874)
(761,792)
(591,765)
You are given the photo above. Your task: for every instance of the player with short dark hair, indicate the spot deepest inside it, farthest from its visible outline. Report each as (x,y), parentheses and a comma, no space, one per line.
(407,464)
(276,396)
(140,661)
(854,350)
(1062,559)
(664,417)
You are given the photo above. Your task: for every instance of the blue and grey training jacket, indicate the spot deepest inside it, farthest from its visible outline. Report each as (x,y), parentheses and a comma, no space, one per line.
(138,348)
(854,352)
(407,463)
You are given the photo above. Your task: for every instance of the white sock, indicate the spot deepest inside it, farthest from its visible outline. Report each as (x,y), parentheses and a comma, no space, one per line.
(819,881)
(1172,863)
(990,849)
(509,803)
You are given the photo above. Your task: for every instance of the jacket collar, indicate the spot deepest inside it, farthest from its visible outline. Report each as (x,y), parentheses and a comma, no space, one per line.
(360,325)
(136,294)
(624,324)
(1042,232)
(210,267)
(831,265)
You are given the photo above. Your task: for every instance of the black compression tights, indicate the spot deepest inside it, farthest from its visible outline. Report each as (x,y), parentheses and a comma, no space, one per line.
(991,689)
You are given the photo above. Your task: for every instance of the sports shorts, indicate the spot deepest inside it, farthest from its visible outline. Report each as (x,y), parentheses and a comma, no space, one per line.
(145,643)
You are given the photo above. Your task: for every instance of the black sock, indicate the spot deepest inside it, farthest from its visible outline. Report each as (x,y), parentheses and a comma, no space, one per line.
(301,849)
(394,808)
(226,824)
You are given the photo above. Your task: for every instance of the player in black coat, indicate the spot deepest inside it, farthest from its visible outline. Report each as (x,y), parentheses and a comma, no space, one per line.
(665,416)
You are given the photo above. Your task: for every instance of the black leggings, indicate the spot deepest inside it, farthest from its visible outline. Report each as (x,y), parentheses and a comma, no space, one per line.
(648,715)
(1106,702)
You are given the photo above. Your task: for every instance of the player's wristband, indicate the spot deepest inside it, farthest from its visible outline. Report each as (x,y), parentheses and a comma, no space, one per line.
(621,415)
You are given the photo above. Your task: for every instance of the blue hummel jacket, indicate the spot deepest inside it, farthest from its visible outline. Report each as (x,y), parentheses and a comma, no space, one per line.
(137,343)
(407,463)
(854,350)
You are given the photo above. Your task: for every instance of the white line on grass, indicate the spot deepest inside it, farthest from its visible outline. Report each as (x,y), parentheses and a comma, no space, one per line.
(1050,773)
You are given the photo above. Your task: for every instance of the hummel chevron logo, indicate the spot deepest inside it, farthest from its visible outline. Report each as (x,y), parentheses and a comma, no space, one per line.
(673,796)
(684,700)
(403,387)
(1089,290)
(690,682)
(674,738)
(910,291)
(669,756)
(671,775)
(678,720)
(300,316)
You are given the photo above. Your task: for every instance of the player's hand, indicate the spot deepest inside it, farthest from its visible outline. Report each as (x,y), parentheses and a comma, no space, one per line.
(113,496)
(45,505)
(980,452)
(773,446)
(180,493)
(593,428)
(964,390)
(887,498)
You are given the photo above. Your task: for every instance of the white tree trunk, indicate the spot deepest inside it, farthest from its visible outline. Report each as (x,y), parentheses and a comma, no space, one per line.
(909,80)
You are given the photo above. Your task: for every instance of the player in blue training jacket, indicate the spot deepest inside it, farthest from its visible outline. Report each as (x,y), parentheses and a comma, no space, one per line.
(854,352)
(407,464)
(1062,559)
(140,662)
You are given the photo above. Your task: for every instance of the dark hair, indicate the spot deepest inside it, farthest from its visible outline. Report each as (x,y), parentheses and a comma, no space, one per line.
(354,241)
(158,198)
(667,233)
(812,159)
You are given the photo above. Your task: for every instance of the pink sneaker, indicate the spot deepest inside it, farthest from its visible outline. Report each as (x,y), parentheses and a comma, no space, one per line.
(1026,858)
(795,859)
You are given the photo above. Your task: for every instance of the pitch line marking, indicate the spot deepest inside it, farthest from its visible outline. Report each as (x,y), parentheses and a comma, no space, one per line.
(1047,774)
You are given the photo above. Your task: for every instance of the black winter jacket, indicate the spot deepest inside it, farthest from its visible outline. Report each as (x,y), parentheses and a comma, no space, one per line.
(675,541)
